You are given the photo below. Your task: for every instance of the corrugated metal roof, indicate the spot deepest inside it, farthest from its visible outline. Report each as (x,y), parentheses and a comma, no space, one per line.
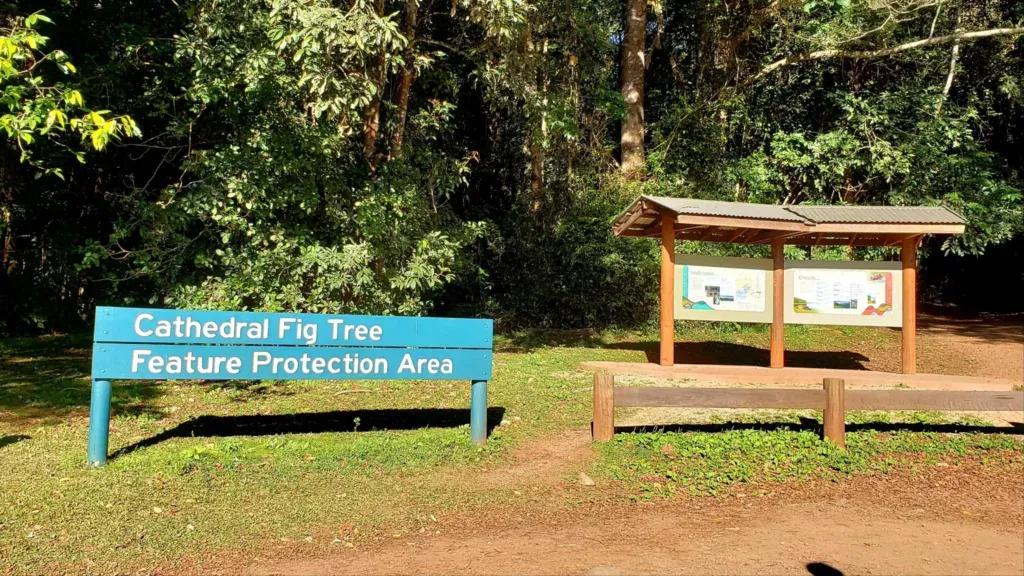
(811,214)
(696,207)
(877,214)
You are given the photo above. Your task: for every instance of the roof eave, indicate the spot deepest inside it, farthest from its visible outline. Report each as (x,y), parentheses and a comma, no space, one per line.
(646,205)
(621,223)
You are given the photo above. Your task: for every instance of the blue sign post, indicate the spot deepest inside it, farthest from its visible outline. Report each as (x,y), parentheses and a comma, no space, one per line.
(153,344)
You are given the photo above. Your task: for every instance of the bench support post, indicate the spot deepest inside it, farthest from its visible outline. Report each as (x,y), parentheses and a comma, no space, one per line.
(604,407)
(478,412)
(834,417)
(99,423)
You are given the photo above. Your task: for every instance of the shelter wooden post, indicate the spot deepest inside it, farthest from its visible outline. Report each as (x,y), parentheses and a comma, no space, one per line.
(604,407)
(908,255)
(834,416)
(778,339)
(668,278)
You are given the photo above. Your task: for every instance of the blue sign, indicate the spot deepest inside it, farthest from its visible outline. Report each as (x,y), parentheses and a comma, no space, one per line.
(142,325)
(156,344)
(168,362)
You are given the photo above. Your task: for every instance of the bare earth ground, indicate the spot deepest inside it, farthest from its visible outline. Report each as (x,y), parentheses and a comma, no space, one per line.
(852,541)
(944,520)
(967,520)
(971,346)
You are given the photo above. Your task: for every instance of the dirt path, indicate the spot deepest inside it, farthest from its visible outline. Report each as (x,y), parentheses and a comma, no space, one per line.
(968,520)
(543,461)
(978,347)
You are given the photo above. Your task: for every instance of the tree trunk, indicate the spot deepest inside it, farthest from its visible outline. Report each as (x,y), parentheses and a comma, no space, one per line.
(634,39)
(7,288)
(536,173)
(952,69)
(405,78)
(371,114)
(537,146)
(8,249)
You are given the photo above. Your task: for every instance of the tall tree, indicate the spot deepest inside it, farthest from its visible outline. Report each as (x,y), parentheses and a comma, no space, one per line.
(634,39)
(405,76)
(371,114)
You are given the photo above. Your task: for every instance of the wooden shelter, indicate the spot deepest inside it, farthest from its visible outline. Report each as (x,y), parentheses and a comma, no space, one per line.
(674,219)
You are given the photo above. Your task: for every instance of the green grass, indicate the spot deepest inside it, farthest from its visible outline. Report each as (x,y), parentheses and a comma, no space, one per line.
(652,465)
(208,466)
(203,468)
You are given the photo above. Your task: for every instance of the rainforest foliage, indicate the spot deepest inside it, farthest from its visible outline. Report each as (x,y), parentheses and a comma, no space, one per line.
(467,156)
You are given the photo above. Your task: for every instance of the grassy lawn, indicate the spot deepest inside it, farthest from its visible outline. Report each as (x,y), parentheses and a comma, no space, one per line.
(200,468)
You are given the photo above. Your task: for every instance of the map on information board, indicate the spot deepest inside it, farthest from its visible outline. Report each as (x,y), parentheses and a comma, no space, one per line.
(859,292)
(719,288)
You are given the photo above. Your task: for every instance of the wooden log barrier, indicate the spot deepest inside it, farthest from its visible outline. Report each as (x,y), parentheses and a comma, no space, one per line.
(778,398)
(833,399)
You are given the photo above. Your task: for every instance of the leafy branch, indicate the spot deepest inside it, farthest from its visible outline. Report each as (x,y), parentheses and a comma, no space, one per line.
(882,52)
(36,107)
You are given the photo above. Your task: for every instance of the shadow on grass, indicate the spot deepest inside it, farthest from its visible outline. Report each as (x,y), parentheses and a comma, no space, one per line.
(49,377)
(727,353)
(532,339)
(317,422)
(704,352)
(809,424)
(6,441)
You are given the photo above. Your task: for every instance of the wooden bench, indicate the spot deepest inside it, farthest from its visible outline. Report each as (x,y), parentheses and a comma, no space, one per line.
(156,344)
(834,399)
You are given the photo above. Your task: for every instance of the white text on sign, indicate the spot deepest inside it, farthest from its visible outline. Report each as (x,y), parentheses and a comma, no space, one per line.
(264,363)
(285,328)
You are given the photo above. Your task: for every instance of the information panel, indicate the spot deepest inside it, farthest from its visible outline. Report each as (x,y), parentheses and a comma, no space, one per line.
(710,288)
(727,289)
(723,288)
(844,293)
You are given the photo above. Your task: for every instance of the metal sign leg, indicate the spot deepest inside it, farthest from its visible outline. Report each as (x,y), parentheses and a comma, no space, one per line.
(99,423)
(478,412)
